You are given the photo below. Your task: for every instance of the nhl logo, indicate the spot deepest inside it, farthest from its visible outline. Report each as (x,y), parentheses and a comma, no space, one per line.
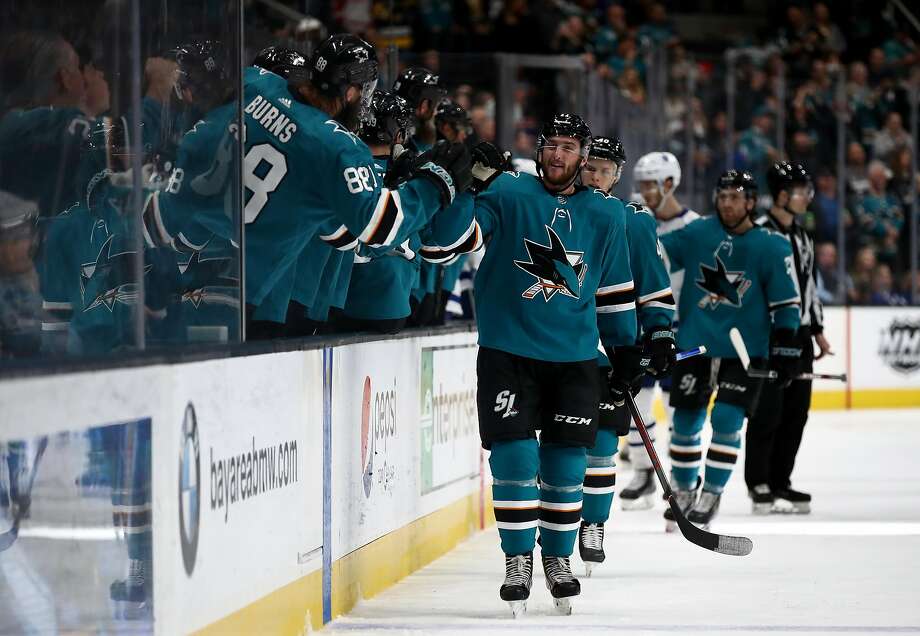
(899,345)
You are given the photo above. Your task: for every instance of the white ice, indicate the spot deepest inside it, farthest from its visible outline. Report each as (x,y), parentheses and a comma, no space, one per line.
(851,567)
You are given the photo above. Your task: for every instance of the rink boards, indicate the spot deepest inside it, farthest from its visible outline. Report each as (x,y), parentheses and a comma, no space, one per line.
(288,486)
(879,350)
(285,487)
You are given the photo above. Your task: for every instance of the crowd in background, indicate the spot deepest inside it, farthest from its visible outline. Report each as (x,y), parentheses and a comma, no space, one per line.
(788,73)
(784,105)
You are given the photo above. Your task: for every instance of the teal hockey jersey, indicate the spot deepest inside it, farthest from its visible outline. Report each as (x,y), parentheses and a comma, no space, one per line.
(555,276)
(745,281)
(654,299)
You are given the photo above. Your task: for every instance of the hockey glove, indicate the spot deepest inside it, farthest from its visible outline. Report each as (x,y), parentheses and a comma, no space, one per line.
(785,353)
(402,162)
(447,166)
(658,352)
(488,163)
(626,374)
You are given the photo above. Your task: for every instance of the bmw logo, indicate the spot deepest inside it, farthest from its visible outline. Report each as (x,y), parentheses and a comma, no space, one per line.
(189,488)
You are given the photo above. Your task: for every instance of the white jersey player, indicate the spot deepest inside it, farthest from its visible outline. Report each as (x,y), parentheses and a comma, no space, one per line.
(656,175)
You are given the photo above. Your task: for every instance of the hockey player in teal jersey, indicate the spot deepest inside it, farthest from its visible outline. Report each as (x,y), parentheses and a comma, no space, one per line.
(555,279)
(378,296)
(737,275)
(654,352)
(89,279)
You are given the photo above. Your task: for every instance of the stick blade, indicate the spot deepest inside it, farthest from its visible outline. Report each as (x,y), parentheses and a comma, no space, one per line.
(738,343)
(719,543)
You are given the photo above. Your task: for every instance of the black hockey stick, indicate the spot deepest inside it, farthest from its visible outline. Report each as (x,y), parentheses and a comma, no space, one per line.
(8,538)
(723,544)
(741,349)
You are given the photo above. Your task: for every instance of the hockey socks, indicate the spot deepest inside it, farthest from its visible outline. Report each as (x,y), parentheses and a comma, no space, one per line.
(727,420)
(686,448)
(562,471)
(516,498)
(600,477)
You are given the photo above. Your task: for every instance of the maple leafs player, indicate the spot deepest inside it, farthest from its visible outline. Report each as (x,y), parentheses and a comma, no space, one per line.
(738,275)
(555,278)
(655,353)
(657,176)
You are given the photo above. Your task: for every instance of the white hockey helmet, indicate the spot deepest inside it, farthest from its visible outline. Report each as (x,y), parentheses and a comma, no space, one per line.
(657,167)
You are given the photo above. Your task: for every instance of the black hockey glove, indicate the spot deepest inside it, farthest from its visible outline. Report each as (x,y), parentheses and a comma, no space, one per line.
(658,352)
(626,374)
(488,163)
(785,354)
(402,163)
(448,167)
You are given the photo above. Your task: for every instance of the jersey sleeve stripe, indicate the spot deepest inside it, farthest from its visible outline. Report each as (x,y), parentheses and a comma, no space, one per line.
(661,293)
(49,305)
(470,242)
(784,303)
(660,304)
(385,222)
(612,309)
(64,325)
(155,230)
(611,289)
(341,239)
(616,298)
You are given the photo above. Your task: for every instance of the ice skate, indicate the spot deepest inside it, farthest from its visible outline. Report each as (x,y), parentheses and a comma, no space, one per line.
(640,493)
(591,545)
(789,501)
(518,579)
(685,501)
(761,499)
(705,509)
(560,582)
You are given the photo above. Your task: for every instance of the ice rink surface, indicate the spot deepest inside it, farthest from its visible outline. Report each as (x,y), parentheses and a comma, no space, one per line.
(850,567)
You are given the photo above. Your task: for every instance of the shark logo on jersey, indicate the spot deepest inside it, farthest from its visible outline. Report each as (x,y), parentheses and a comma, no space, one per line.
(337,128)
(209,280)
(555,268)
(721,285)
(109,280)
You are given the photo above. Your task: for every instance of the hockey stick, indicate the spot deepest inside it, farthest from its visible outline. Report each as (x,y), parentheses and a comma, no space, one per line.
(740,348)
(8,538)
(689,353)
(723,544)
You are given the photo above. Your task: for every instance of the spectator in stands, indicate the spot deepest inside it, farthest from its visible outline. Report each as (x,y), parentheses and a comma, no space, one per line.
(43,123)
(658,29)
(20,298)
(830,36)
(803,138)
(570,36)
(607,38)
(904,184)
(483,123)
(900,49)
(880,215)
(627,57)
(830,289)
(797,41)
(631,86)
(891,138)
(755,149)
(859,284)
(861,102)
(882,288)
(754,94)
(826,206)
(857,174)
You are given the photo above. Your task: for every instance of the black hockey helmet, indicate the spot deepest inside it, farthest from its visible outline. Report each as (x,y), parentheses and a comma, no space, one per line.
(566,125)
(279,60)
(741,180)
(204,68)
(609,148)
(389,115)
(450,112)
(416,84)
(783,175)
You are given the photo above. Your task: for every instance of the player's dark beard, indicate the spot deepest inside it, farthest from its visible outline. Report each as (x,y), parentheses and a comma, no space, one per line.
(350,116)
(556,185)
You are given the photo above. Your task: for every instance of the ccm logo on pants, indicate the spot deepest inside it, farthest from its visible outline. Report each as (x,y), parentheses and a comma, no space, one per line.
(572,419)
